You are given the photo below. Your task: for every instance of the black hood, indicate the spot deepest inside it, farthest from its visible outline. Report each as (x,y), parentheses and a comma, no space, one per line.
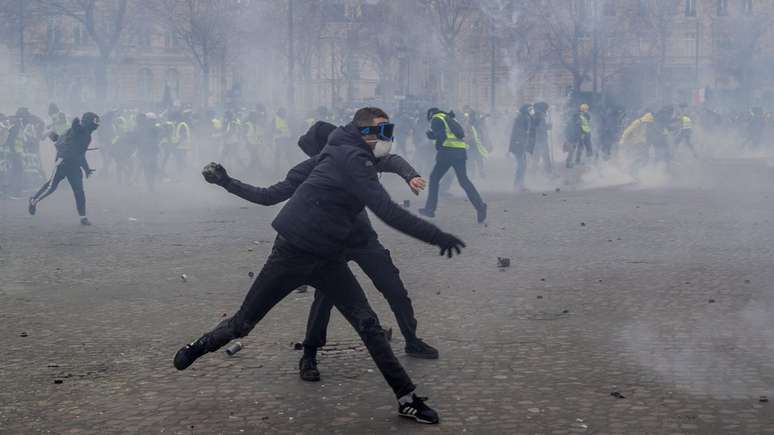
(90,121)
(314,140)
(348,135)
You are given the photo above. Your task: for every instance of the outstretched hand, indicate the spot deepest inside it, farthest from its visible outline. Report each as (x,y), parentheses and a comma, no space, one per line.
(215,173)
(449,243)
(417,184)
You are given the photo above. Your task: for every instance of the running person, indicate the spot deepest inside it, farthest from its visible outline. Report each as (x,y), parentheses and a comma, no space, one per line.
(313,231)
(70,160)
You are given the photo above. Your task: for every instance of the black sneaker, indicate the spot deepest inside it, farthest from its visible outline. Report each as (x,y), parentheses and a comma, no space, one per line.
(481,214)
(427,213)
(419,349)
(32,207)
(308,369)
(188,354)
(417,410)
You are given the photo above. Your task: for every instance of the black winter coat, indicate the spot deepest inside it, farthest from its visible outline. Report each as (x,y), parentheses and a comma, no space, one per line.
(324,212)
(72,145)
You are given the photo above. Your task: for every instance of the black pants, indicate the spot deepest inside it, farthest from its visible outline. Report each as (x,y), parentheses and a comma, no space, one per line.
(445,160)
(16,174)
(376,262)
(521,169)
(583,142)
(71,171)
(286,269)
(684,137)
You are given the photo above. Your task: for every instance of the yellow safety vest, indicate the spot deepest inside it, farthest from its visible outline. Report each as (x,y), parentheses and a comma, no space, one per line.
(59,125)
(4,131)
(183,141)
(451,141)
(477,140)
(686,123)
(281,126)
(584,123)
(254,134)
(120,127)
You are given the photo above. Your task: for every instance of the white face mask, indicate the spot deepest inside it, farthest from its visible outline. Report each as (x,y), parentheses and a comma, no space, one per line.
(382,148)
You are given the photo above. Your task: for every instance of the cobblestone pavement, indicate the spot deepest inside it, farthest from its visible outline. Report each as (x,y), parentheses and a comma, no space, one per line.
(663,296)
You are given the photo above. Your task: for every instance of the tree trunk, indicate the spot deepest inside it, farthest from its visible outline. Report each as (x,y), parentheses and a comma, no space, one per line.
(101,80)
(206,87)
(577,81)
(453,77)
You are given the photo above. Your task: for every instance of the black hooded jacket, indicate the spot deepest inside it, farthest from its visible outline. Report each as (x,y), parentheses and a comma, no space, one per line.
(72,145)
(522,133)
(325,213)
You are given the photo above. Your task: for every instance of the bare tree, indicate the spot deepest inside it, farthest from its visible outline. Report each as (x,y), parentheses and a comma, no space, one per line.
(567,33)
(104,22)
(450,17)
(738,51)
(204,27)
(654,22)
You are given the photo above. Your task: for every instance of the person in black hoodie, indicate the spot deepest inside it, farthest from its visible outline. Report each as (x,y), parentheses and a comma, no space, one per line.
(314,229)
(522,142)
(371,255)
(70,160)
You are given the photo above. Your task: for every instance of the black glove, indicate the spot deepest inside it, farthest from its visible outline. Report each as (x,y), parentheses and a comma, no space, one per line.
(449,243)
(214,173)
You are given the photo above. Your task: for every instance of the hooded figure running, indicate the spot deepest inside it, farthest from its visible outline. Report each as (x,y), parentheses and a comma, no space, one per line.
(71,150)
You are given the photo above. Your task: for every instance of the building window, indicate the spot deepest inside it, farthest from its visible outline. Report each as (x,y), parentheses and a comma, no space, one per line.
(145,84)
(583,9)
(173,81)
(77,34)
(722,8)
(690,8)
(171,41)
(747,7)
(144,38)
(688,48)
(644,7)
(609,8)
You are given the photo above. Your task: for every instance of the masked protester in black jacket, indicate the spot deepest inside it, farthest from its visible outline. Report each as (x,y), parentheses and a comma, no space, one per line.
(70,160)
(366,250)
(314,229)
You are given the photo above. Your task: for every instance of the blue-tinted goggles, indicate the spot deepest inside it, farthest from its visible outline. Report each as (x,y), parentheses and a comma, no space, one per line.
(383,131)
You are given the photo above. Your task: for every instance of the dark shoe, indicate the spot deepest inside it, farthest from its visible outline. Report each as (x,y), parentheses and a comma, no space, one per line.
(188,354)
(308,369)
(427,213)
(481,214)
(417,410)
(32,207)
(419,349)
(85,221)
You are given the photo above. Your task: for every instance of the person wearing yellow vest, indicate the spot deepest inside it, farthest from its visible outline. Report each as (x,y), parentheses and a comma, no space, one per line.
(448,135)
(479,152)
(58,120)
(281,137)
(685,131)
(580,135)
(255,138)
